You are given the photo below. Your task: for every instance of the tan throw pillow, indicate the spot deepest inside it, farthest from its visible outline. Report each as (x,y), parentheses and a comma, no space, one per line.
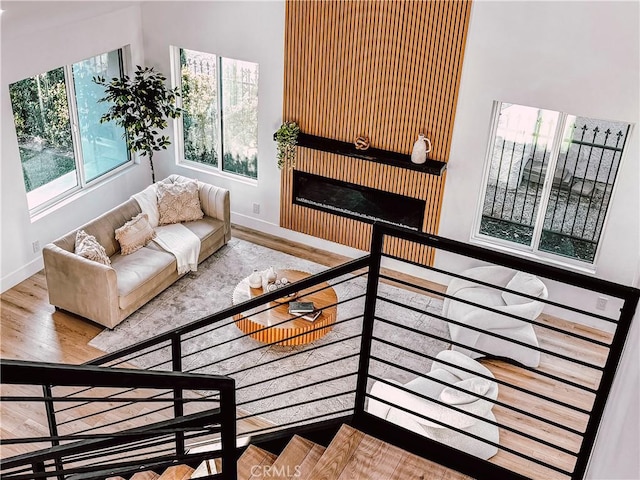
(178,202)
(88,247)
(135,234)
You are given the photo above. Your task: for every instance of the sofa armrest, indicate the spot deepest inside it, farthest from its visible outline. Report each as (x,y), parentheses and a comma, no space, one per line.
(81,286)
(215,203)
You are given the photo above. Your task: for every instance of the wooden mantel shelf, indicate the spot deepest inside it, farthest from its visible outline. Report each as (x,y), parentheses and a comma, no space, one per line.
(401,160)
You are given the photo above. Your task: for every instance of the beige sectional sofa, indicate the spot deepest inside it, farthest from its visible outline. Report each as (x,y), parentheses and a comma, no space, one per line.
(109,294)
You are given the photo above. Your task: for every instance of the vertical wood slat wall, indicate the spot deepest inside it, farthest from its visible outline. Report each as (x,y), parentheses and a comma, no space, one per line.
(385,69)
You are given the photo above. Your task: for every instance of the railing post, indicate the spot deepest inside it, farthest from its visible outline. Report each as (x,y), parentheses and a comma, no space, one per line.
(178,404)
(38,467)
(228,431)
(53,426)
(368,320)
(606,383)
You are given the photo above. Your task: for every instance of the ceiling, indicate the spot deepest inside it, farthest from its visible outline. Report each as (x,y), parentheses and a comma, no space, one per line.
(21,17)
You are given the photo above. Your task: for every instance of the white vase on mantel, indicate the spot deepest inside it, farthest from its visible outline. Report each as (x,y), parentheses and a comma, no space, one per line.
(420,150)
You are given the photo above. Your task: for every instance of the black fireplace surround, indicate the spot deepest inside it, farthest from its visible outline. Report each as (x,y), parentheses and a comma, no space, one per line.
(357,202)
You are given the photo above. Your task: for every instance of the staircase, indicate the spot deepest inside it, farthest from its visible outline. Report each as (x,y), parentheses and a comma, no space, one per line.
(350,455)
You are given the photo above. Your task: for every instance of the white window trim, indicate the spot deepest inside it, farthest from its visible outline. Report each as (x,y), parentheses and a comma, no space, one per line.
(45,208)
(530,251)
(178,127)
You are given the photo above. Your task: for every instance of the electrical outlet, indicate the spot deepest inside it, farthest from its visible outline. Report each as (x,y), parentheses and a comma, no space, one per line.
(601,303)
(35,246)
(256,208)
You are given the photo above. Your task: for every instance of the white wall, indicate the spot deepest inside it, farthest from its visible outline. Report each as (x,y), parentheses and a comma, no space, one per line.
(26,52)
(251,31)
(576,57)
(581,58)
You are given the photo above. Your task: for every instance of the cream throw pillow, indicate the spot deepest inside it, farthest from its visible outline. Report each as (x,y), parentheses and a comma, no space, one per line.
(88,247)
(135,234)
(178,202)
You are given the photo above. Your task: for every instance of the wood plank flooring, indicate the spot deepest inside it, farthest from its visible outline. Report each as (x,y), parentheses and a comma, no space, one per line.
(31,329)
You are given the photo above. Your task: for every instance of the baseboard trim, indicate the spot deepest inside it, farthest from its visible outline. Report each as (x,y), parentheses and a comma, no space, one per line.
(309,240)
(21,274)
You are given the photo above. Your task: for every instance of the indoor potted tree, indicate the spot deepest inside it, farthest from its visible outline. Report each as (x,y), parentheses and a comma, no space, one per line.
(287,138)
(141,105)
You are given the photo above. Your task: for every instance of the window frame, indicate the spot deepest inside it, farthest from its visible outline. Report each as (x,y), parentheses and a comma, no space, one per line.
(181,160)
(76,140)
(532,251)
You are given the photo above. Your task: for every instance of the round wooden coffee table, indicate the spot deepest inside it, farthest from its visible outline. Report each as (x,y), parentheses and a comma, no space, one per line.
(283,326)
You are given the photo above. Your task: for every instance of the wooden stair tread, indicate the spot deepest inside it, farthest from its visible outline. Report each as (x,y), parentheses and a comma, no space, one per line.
(146,475)
(296,460)
(177,472)
(310,461)
(208,467)
(253,457)
(355,455)
(337,454)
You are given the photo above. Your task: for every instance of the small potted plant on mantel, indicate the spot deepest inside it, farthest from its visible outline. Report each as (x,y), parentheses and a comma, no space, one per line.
(141,105)
(287,138)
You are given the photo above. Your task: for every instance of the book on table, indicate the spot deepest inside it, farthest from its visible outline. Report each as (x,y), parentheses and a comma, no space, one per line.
(301,307)
(311,317)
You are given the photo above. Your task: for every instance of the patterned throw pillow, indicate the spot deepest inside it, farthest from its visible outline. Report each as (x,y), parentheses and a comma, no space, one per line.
(88,247)
(178,202)
(135,234)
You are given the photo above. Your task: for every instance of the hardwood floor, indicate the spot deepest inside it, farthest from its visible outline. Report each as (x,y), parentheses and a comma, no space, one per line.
(31,329)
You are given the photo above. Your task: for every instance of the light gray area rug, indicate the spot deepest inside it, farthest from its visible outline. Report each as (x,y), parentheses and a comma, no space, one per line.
(223,348)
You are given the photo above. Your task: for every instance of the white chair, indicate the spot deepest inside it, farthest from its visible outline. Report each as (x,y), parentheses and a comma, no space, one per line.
(471,402)
(488,321)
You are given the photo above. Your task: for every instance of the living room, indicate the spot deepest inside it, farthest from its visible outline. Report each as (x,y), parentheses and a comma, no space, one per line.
(580,58)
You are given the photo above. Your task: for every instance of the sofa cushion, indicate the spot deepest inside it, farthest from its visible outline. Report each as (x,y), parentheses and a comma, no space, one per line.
(135,234)
(178,202)
(88,247)
(141,272)
(525,283)
(477,385)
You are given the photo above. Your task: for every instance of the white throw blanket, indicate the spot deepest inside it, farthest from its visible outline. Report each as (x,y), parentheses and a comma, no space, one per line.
(182,242)
(176,238)
(148,201)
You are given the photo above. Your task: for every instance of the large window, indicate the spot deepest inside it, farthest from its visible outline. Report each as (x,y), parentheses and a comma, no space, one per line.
(63,146)
(220,118)
(549,180)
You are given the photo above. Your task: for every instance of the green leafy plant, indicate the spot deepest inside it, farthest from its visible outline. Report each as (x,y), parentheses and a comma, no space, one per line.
(287,139)
(141,105)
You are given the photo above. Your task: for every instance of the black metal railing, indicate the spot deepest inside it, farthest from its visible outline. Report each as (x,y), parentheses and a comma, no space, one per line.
(269,376)
(387,329)
(103,452)
(545,416)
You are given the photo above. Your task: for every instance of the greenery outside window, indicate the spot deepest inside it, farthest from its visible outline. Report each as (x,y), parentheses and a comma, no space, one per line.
(548,181)
(63,146)
(220,111)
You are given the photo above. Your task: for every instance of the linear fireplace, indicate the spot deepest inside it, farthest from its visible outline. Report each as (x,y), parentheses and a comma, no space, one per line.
(355,201)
